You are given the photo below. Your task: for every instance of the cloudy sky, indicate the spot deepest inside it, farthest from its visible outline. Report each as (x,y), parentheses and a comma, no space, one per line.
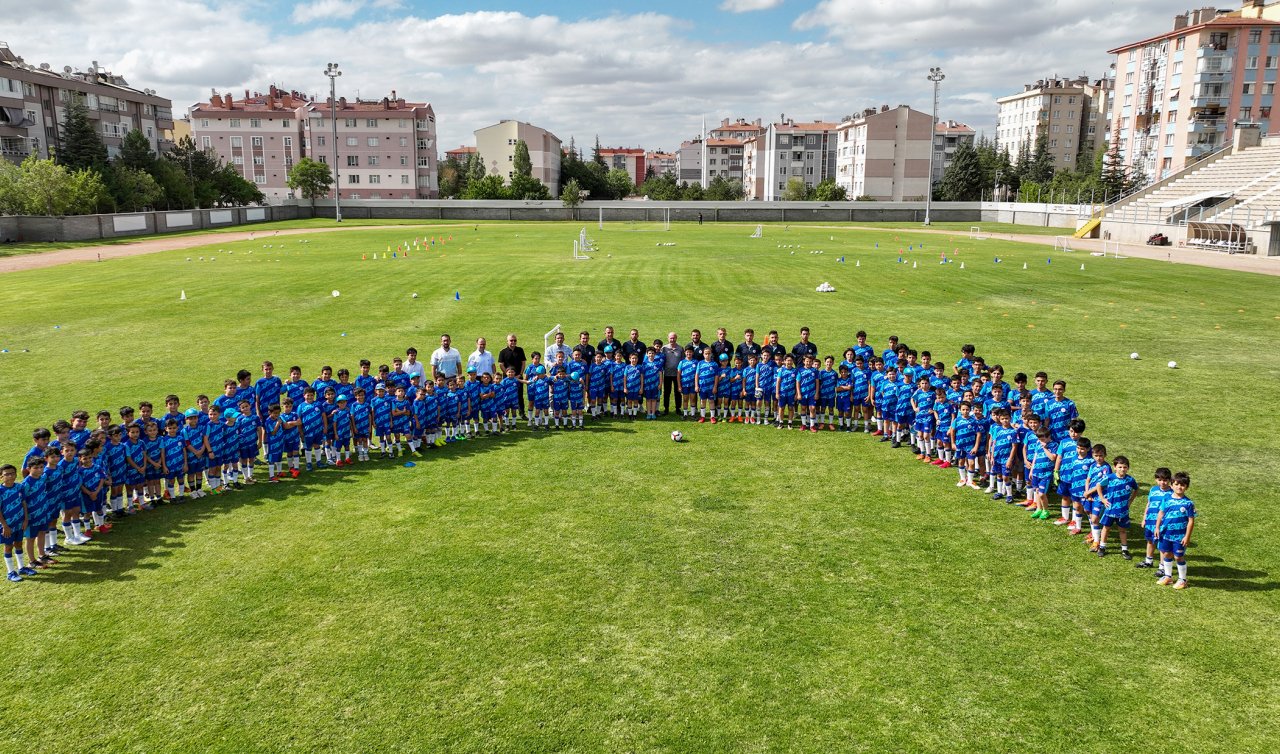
(636,73)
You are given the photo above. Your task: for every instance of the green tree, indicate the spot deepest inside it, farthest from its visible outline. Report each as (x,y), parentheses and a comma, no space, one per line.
(178,193)
(135,152)
(198,165)
(81,148)
(596,157)
(1041,168)
(829,191)
(488,187)
(619,183)
(527,187)
(88,193)
(11,202)
(571,194)
(310,178)
(45,187)
(453,178)
(795,191)
(232,190)
(134,189)
(520,162)
(721,189)
(963,181)
(661,188)
(691,192)
(1022,166)
(475,168)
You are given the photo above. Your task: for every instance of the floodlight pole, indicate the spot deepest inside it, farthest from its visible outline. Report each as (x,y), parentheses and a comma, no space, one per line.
(935,75)
(333,73)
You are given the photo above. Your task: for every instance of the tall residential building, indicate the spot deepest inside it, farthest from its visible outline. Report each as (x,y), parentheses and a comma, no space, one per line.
(722,151)
(738,129)
(385,148)
(885,154)
(460,153)
(948,136)
(632,160)
(785,150)
(1057,109)
(1178,94)
(661,162)
(34,100)
(497,147)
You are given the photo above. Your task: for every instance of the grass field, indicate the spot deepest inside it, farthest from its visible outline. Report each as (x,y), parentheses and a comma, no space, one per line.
(609,590)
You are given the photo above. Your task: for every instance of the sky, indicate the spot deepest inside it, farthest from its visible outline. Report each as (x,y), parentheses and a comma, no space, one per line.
(632,73)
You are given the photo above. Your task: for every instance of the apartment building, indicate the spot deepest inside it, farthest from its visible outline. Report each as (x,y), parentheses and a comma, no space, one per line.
(721,150)
(632,160)
(385,148)
(34,100)
(662,162)
(948,136)
(497,147)
(788,149)
(886,154)
(1178,94)
(1057,109)
(460,153)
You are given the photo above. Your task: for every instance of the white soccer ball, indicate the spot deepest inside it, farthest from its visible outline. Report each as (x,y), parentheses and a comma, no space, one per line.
(336,294)
(677,436)
(1134,355)
(415,295)
(1173,365)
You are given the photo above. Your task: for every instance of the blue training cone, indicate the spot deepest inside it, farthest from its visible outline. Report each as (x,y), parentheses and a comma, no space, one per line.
(457,295)
(409,464)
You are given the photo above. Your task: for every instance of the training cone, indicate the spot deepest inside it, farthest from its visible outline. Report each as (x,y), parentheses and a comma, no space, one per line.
(182,296)
(913,265)
(1082,266)
(457,295)
(364,257)
(1024,265)
(962,265)
(858,263)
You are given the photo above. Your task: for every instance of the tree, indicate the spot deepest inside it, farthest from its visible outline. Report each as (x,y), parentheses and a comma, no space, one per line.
(829,191)
(88,193)
(134,189)
(10,188)
(661,188)
(691,192)
(521,164)
(310,178)
(488,187)
(1041,168)
(453,178)
(43,187)
(527,187)
(232,190)
(198,165)
(135,152)
(721,189)
(178,193)
(618,182)
(81,148)
(571,194)
(475,168)
(795,191)
(1022,166)
(963,180)
(596,157)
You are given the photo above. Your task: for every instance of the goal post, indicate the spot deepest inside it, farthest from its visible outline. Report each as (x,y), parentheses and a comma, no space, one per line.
(1062,243)
(546,339)
(759,232)
(975,233)
(1111,248)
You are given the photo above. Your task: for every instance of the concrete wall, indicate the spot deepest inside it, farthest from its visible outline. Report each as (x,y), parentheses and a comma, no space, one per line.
(93,227)
(1070,216)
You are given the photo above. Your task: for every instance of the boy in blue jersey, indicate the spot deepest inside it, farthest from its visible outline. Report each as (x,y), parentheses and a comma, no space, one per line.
(1005,450)
(578,388)
(884,397)
(1159,493)
(768,379)
(1041,462)
(366,381)
(963,436)
(13,523)
(328,406)
(559,388)
(618,384)
(227,400)
(266,391)
(173,410)
(381,407)
(79,433)
(401,419)
(153,470)
(965,362)
(1173,530)
(861,349)
(341,421)
(827,378)
(173,460)
(326,381)
(362,421)
(536,392)
(1116,492)
(652,371)
(786,395)
(922,427)
(248,439)
(904,413)
(447,407)
(135,475)
(1040,394)
(751,390)
(35,493)
(471,412)
(489,405)
(91,489)
(633,384)
(1029,431)
(860,395)
(1061,410)
(292,435)
(943,414)
(705,378)
(844,399)
(1095,473)
(597,383)
(40,440)
(64,492)
(807,394)
(511,388)
(1075,467)
(312,418)
(688,369)
(295,386)
(274,433)
(1065,452)
(196,452)
(724,388)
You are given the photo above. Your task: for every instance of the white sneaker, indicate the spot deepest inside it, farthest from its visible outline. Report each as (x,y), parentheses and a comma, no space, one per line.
(960,483)
(975,486)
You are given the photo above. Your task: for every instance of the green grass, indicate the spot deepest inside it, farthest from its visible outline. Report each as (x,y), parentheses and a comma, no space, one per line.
(610,590)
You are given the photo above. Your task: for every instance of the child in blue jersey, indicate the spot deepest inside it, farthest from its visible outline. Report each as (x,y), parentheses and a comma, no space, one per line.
(904,413)
(767,379)
(844,398)
(751,390)
(1116,491)
(153,470)
(295,387)
(618,384)
(91,489)
(13,523)
(248,440)
(1065,453)
(633,384)
(135,475)
(922,426)
(362,421)
(446,408)
(35,493)
(785,393)
(1159,493)
(511,388)
(1041,394)
(79,433)
(401,419)
(559,388)
(267,390)
(489,405)
(1174,523)
(944,412)
(381,407)
(729,377)
(651,369)
(885,396)
(173,460)
(597,385)
(312,418)
(326,381)
(526,380)
(1061,410)
(195,444)
(273,434)
(577,374)
(227,400)
(705,378)
(292,435)
(1095,473)
(328,406)
(1040,474)
(341,420)
(1005,450)
(40,440)
(826,409)
(51,507)
(63,478)
(963,437)
(807,394)
(860,394)
(1073,465)
(688,369)
(366,381)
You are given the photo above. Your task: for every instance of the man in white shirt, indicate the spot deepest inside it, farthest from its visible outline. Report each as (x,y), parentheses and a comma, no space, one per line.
(549,358)
(481,359)
(445,361)
(413,366)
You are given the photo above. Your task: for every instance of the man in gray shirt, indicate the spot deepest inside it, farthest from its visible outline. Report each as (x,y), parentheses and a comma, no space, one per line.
(672,353)
(446,361)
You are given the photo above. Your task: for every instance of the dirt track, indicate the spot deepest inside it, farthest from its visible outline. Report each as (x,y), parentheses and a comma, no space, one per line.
(1241,262)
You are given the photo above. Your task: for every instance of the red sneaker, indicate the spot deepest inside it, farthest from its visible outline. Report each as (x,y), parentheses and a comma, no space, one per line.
(703,420)
(944,465)
(104,528)
(293,473)
(877,433)
(713,420)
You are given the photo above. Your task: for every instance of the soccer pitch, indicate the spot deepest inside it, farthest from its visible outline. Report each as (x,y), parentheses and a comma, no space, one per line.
(609,590)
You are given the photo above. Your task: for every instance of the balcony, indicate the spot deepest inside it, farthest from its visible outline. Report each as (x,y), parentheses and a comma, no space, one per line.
(1200,150)
(1215,49)
(1207,125)
(1210,100)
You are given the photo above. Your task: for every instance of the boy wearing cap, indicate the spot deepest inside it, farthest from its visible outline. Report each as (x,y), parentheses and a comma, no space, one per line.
(381,409)
(340,421)
(361,422)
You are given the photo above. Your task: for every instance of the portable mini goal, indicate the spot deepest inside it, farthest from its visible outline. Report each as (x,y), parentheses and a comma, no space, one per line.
(1111,248)
(975,233)
(759,232)
(1062,243)
(546,339)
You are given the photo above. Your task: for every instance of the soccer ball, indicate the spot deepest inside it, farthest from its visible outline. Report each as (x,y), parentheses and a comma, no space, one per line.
(336,294)
(677,436)
(1173,365)
(1134,355)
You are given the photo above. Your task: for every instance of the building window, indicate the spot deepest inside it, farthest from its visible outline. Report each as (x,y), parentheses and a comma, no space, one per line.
(320,140)
(372,141)
(286,123)
(423,125)
(424,162)
(261,180)
(373,160)
(1255,36)
(238,159)
(1246,89)
(375,179)
(237,142)
(204,122)
(404,159)
(353,161)
(206,142)
(324,159)
(1246,113)
(404,141)
(255,123)
(1275,36)
(353,141)
(353,178)
(422,144)
(1168,139)
(1268,88)
(1172,118)
(811,139)
(1066,158)
(288,141)
(404,180)
(235,123)
(349,122)
(371,123)
(1251,63)
(1271,61)
(259,160)
(256,141)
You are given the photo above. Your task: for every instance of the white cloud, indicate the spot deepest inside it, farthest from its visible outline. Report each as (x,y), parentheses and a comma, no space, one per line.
(305,13)
(746,6)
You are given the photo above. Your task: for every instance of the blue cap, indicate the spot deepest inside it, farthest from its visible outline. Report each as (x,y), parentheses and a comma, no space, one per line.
(343,398)
(471,370)
(380,386)
(608,349)
(192,412)
(231,413)
(724,357)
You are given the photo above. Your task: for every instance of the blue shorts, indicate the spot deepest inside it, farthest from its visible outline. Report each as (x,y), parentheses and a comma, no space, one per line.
(489,414)
(687,389)
(998,469)
(1114,518)
(537,405)
(634,395)
(16,539)
(1064,488)
(706,395)
(786,401)
(382,429)
(247,452)
(274,455)
(942,433)
(860,401)
(314,440)
(1038,483)
(559,405)
(133,477)
(827,402)
(1171,547)
(808,401)
(922,426)
(1149,533)
(904,417)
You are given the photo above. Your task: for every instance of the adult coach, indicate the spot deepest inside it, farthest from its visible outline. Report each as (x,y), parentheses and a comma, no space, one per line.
(584,347)
(748,347)
(695,342)
(481,358)
(633,345)
(805,347)
(610,344)
(412,366)
(446,361)
(772,345)
(722,345)
(549,358)
(512,357)
(672,353)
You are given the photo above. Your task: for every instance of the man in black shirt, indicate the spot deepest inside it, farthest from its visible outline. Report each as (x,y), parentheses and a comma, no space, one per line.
(772,345)
(804,347)
(614,344)
(721,345)
(695,342)
(748,347)
(633,345)
(513,357)
(584,345)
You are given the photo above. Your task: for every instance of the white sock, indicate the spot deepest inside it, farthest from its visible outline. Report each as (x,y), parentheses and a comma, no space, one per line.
(69,529)
(1182,571)
(98,520)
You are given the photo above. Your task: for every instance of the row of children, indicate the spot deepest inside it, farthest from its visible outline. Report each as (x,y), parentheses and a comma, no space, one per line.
(1013,438)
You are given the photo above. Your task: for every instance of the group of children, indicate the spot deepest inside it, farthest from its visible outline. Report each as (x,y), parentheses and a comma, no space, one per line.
(1015,439)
